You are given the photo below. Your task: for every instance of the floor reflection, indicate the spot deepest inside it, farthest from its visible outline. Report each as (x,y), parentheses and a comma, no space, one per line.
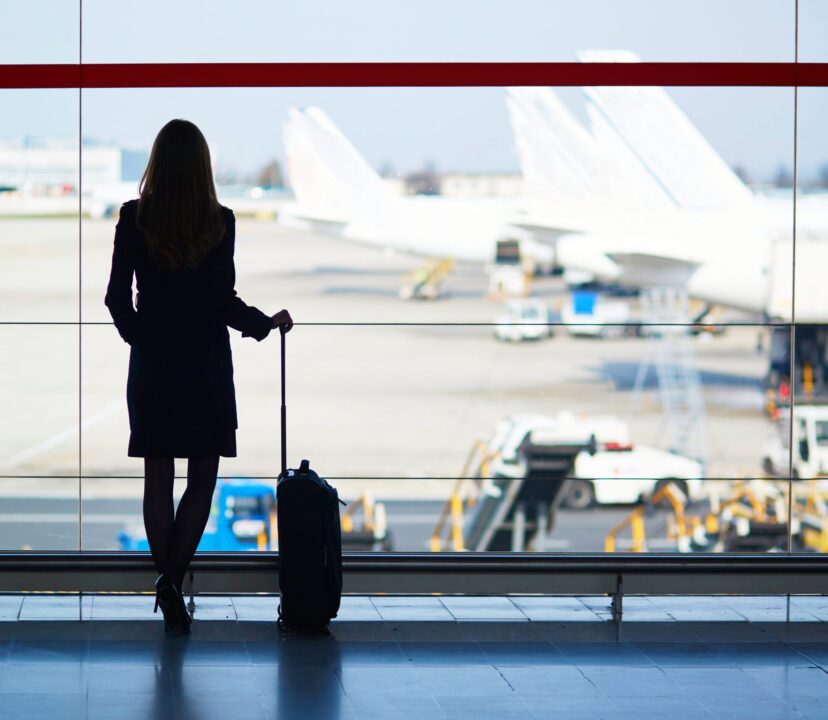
(678,657)
(270,676)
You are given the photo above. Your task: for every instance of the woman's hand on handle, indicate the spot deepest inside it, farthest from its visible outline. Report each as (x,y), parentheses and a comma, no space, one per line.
(283,321)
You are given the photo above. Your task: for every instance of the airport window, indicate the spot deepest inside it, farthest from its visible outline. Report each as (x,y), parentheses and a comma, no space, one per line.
(520,31)
(536,317)
(812,27)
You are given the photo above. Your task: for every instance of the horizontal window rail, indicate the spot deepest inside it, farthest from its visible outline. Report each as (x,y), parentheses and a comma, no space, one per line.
(412,74)
(231,573)
(801,481)
(700,325)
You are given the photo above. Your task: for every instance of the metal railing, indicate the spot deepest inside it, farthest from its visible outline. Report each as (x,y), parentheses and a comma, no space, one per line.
(230,573)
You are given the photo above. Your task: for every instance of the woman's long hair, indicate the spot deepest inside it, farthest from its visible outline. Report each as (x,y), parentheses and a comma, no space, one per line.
(177,209)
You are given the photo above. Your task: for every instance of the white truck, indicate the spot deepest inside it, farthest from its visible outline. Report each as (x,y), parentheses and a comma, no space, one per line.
(810,443)
(587,314)
(610,470)
(523,320)
(627,473)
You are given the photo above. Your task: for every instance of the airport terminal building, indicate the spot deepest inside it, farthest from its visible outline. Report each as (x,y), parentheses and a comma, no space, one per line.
(34,164)
(537,288)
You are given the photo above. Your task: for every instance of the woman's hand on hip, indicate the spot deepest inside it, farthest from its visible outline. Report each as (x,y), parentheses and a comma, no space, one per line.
(283,321)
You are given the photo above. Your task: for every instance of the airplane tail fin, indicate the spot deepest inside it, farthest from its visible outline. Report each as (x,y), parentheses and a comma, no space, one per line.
(568,165)
(329,177)
(666,142)
(553,148)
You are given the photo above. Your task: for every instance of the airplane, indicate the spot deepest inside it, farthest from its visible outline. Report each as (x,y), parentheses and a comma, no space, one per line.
(337,192)
(664,209)
(638,197)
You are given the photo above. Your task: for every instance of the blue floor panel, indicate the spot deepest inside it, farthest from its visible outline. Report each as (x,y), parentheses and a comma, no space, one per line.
(477,658)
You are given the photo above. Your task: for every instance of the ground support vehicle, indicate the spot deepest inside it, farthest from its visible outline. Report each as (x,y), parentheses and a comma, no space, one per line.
(510,275)
(243,517)
(751,516)
(426,283)
(625,473)
(526,319)
(810,443)
(373,533)
(589,315)
(511,488)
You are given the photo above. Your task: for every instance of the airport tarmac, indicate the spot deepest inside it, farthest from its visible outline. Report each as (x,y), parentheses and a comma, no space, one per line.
(384,395)
(52,524)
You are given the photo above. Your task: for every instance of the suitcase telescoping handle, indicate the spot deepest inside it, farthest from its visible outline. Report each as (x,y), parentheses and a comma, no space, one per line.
(284,411)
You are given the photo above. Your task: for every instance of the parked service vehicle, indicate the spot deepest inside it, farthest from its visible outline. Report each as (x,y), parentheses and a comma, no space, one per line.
(610,469)
(623,473)
(587,313)
(810,443)
(523,320)
(515,432)
(243,517)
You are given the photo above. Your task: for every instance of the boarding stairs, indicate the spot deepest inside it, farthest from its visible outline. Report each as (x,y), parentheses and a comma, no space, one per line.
(492,512)
(666,312)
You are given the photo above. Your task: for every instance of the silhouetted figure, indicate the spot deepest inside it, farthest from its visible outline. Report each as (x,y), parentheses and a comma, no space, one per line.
(178,241)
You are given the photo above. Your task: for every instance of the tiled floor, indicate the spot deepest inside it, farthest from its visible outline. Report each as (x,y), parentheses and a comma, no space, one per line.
(418,658)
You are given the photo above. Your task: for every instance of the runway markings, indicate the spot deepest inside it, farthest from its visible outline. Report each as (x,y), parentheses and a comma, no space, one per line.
(63,436)
(71,518)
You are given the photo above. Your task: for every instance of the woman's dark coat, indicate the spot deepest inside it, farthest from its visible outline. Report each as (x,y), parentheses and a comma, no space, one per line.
(180,393)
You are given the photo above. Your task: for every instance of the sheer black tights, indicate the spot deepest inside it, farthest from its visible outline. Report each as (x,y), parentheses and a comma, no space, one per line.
(174,534)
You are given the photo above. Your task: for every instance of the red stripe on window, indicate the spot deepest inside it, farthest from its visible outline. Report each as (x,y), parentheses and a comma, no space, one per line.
(136,75)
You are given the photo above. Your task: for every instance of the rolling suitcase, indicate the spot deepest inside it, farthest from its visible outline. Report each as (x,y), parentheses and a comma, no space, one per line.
(310,542)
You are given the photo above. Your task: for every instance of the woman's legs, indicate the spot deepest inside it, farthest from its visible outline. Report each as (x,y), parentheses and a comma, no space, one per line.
(159,508)
(192,515)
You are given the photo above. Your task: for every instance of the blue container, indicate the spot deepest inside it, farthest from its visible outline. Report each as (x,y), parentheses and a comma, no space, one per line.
(583,302)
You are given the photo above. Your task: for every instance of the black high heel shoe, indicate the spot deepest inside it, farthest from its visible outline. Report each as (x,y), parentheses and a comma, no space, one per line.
(169,597)
(161,599)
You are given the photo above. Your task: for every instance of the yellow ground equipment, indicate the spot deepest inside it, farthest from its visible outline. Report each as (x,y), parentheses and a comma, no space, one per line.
(426,283)
(371,534)
(463,496)
(810,507)
(635,521)
(753,517)
(509,281)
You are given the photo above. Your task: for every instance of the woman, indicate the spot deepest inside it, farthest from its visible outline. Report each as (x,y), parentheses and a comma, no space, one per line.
(179,242)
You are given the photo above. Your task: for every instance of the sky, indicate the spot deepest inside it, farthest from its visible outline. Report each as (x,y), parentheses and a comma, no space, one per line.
(463,129)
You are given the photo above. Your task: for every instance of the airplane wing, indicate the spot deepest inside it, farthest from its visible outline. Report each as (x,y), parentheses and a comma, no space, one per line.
(294,215)
(545,228)
(648,270)
(605,257)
